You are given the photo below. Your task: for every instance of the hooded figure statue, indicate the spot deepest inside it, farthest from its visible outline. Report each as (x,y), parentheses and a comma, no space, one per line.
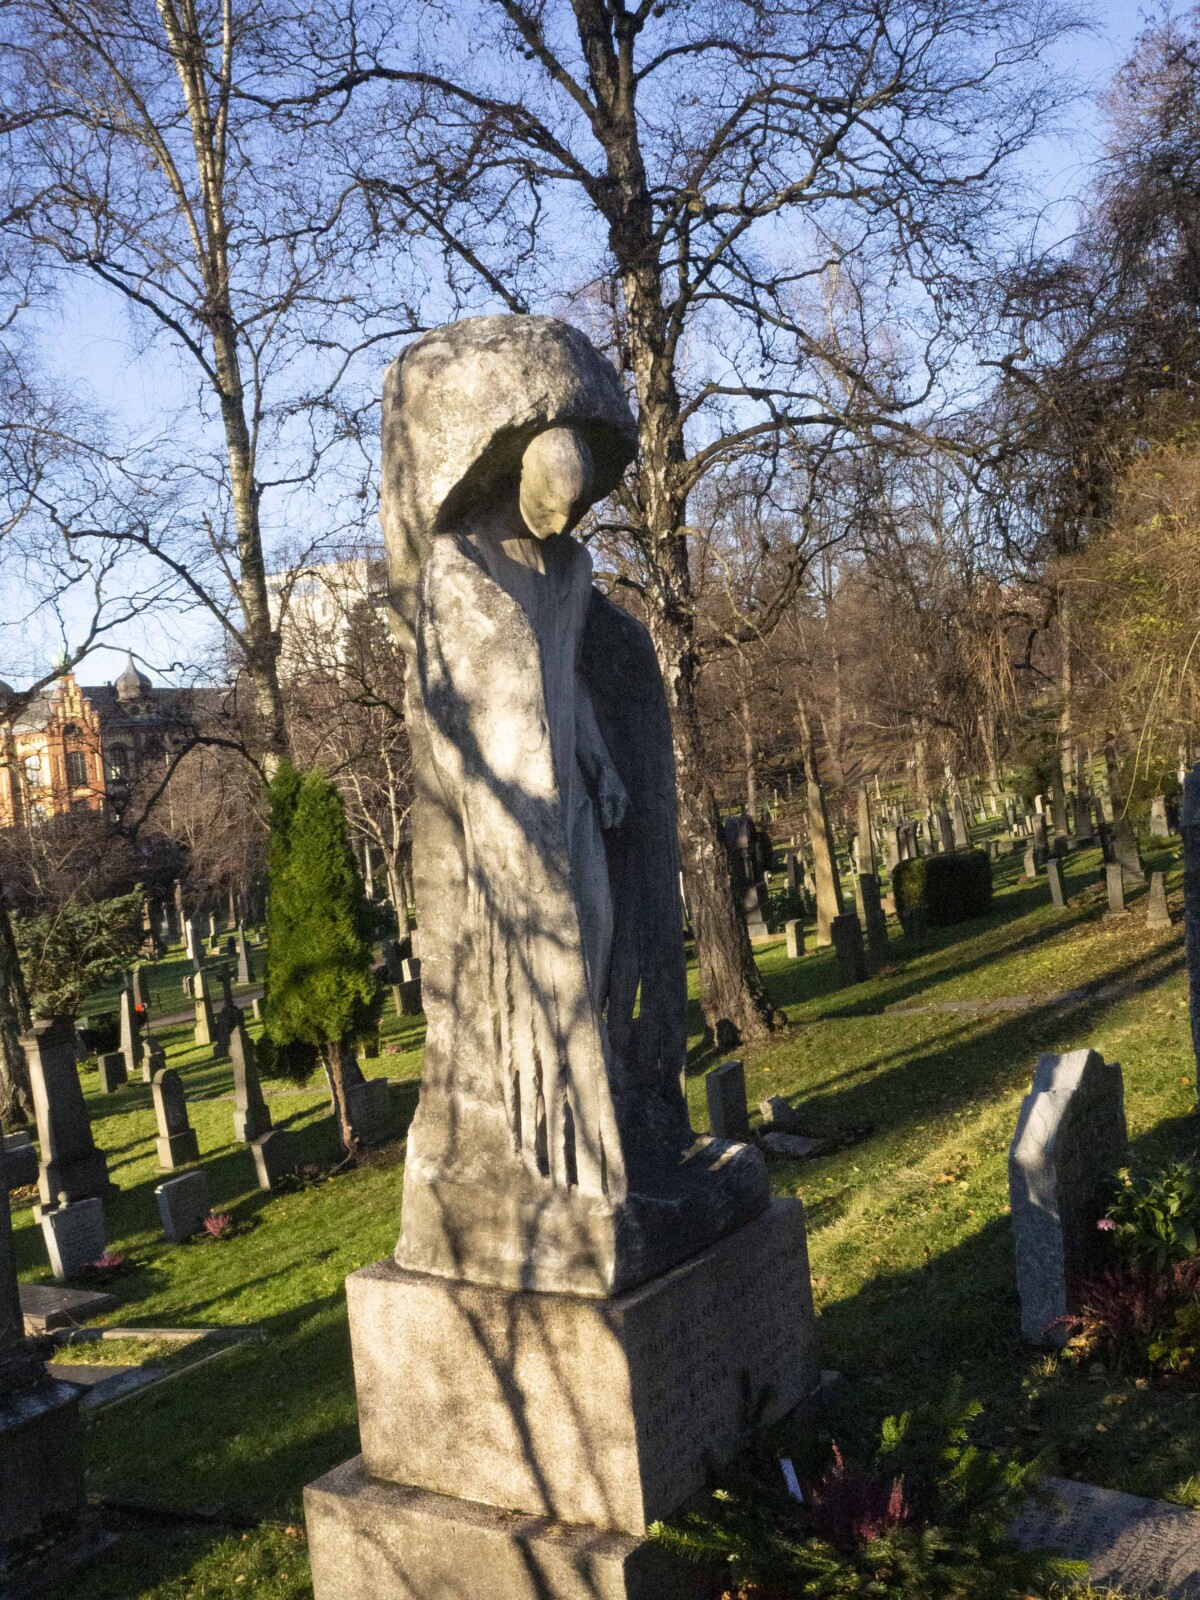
(551,1148)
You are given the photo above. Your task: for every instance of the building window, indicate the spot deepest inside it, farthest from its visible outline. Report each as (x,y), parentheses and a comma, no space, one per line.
(77,773)
(33,771)
(118,765)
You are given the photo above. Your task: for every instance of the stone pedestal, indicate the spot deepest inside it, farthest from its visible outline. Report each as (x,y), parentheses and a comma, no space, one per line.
(519,1445)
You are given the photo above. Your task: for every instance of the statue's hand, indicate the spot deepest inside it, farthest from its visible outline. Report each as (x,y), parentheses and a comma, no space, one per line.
(614,800)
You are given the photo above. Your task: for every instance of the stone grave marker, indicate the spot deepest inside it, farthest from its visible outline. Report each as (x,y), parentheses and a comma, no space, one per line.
(1131,1545)
(154,1061)
(183,1205)
(1160,828)
(874,920)
(226,1016)
(113,1073)
(20,1161)
(945,829)
(131,1034)
(46,1306)
(369,1107)
(251,1119)
(1058,890)
(1157,913)
(962,831)
(794,934)
(846,934)
(73,1235)
(191,939)
(1114,877)
(1070,1140)
(176,1143)
(71,1166)
(1029,867)
(725,1091)
(140,990)
(245,968)
(256,1009)
(274,1157)
(1040,843)
(206,1028)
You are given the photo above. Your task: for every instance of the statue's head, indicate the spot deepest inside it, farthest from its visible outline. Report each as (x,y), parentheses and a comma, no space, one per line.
(493,407)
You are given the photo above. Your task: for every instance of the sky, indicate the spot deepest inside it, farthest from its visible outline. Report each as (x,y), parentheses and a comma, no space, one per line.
(89,344)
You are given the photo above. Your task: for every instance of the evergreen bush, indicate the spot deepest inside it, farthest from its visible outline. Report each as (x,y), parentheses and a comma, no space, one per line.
(946,889)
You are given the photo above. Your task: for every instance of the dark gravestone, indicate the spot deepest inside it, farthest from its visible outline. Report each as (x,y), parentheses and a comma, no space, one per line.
(20,1161)
(71,1165)
(1054,876)
(368,1105)
(73,1235)
(725,1090)
(1083,819)
(1157,914)
(1069,1142)
(1041,848)
(874,920)
(112,1071)
(846,934)
(131,1034)
(274,1157)
(154,1061)
(41,1443)
(228,1015)
(962,831)
(251,1119)
(176,1143)
(182,1206)
(945,830)
(1114,877)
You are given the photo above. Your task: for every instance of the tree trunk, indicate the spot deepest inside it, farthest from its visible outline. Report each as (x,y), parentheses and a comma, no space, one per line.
(921,766)
(748,755)
(16,1098)
(825,874)
(342,1070)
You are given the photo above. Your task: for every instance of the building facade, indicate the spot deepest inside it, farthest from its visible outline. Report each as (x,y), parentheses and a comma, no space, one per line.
(81,747)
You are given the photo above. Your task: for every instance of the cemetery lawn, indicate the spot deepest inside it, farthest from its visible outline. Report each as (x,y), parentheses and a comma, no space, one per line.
(910,1242)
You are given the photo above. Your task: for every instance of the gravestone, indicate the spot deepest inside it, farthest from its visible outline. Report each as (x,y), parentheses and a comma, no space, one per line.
(608,1305)
(20,1161)
(962,831)
(112,1071)
(1058,891)
(1114,878)
(275,1157)
(71,1166)
(227,1015)
(140,990)
(846,934)
(945,830)
(1160,828)
(1131,1546)
(251,1119)
(866,839)
(1157,913)
(792,871)
(191,940)
(368,1105)
(131,1034)
(794,934)
(245,969)
(183,1205)
(41,1441)
(874,921)
(73,1235)
(256,1009)
(206,1027)
(893,848)
(176,1143)
(1083,819)
(725,1091)
(1040,845)
(754,910)
(1189,828)
(391,961)
(154,1061)
(1030,865)
(1070,1141)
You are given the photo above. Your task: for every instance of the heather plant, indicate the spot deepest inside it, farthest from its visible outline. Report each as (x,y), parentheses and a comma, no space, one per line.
(1123,1312)
(925,1519)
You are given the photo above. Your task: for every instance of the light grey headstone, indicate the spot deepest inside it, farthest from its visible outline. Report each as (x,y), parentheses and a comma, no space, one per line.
(251,1119)
(1131,1545)
(1030,864)
(74,1236)
(725,1090)
(1069,1142)
(794,933)
(176,1143)
(1157,912)
(183,1205)
(71,1164)
(154,1061)
(1159,827)
(1114,877)
(1058,893)
(779,1115)
(369,1107)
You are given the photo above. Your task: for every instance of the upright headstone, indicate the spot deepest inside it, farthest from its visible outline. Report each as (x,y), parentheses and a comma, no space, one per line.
(1189,829)
(131,1034)
(71,1166)
(1083,819)
(154,1061)
(725,1091)
(1070,1141)
(1159,826)
(73,1235)
(141,992)
(191,939)
(962,831)
(866,838)
(228,1015)
(176,1143)
(1040,844)
(945,830)
(1058,892)
(245,970)
(182,1205)
(792,870)
(206,1027)
(113,1074)
(1157,913)
(275,1157)
(846,933)
(1115,880)
(874,921)
(251,1119)
(1030,864)
(794,933)
(893,849)
(41,1441)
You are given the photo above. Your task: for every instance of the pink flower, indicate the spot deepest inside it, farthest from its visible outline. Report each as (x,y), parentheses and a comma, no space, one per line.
(1107,1225)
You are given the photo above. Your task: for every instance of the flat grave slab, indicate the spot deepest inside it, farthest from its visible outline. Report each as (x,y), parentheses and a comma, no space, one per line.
(1141,1547)
(46,1306)
(103,1380)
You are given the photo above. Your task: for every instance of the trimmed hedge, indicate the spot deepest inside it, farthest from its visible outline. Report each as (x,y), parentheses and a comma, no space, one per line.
(945,889)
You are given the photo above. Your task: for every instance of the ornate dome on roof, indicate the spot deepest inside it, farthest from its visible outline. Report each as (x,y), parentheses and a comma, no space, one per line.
(132,684)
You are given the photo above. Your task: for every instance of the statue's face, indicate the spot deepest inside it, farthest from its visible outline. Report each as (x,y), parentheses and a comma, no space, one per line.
(556,481)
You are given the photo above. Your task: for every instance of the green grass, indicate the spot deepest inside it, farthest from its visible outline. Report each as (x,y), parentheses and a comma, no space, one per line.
(910,1244)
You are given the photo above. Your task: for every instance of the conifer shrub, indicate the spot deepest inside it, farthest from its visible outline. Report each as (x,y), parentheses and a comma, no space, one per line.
(943,889)
(321,990)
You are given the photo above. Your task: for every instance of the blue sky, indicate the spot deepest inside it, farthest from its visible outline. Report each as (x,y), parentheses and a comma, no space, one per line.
(89,338)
